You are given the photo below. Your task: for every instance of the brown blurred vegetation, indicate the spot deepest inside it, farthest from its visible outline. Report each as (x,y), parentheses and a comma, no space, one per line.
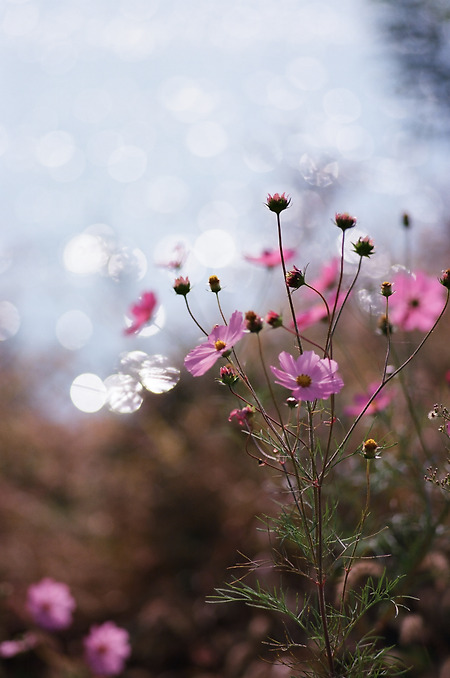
(142,516)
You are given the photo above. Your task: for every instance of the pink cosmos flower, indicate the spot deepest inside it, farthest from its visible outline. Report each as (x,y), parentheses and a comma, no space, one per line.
(360,400)
(221,340)
(271,258)
(308,376)
(142,312)
(51,604)
(417,301)
(106,649)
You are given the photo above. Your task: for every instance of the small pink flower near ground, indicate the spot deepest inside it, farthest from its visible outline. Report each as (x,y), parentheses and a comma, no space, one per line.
(11,648)
(360,400)
(51,604)
(106,649)
(220,341)
(417,301)
(142,312)
(308,376)
(271,258)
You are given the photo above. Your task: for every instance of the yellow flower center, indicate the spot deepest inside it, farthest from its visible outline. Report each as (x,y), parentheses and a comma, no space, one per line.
(303,380)
(219,345)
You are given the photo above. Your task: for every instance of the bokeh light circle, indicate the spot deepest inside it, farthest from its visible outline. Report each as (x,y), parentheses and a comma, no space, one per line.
(73,329)
(123,393)
(9,320)
(215,248)
(88,392)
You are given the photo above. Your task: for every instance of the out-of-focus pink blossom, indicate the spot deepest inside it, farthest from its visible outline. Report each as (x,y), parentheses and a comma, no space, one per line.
(106,649)
(242,416)
(378,404)
(142,312)
(326,284)
(271,258)
(11,648)
(328,278)
(179,256)
(417,301)
(220,341)
(51,604)
(308,376)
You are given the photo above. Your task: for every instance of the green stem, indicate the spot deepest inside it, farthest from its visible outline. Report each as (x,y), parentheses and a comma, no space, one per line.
(291,304)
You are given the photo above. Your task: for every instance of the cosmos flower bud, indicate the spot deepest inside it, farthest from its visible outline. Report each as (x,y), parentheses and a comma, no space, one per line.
(295,278)
(277,203)
(386,289)
(364,247)
(253,322)
(405,220)
(182,286)
(214,284)
(228,375)
(274,319)
(445,279)
(370,448)
(344,221)
(292,402)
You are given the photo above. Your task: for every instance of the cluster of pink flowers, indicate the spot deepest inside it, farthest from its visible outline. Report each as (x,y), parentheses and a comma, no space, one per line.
(51,606)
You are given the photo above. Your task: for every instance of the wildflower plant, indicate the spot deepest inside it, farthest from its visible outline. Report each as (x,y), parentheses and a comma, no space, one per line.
(296,426)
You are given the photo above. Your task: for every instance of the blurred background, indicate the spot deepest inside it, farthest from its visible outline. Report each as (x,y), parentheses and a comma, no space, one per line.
(139,133)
